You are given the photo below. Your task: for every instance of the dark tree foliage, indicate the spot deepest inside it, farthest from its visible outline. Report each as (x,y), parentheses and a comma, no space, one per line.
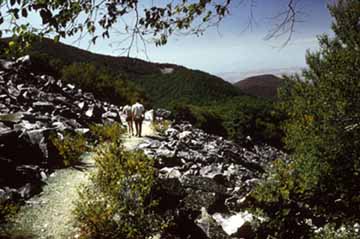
(235,118)
(319,183)
(192,86)
(105,85)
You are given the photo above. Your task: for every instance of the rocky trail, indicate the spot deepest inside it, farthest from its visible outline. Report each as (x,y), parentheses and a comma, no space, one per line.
(131,143)
(49,214)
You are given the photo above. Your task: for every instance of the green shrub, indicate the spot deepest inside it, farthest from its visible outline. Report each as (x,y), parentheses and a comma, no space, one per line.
(7,210)
(277,200)
(201,117)
(118,203)
(107,132)
(330,231)
(236,118)
(70,147)
(320,180)
(161,126)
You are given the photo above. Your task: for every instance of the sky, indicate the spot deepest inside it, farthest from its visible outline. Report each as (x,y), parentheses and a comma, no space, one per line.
(231,51)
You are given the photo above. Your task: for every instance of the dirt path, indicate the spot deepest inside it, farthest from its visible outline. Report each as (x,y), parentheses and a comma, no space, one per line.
(131,142)
(49,214)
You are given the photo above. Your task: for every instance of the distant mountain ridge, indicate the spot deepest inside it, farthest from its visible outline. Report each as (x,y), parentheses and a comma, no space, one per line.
(235,76)
(264,86)
(163,83)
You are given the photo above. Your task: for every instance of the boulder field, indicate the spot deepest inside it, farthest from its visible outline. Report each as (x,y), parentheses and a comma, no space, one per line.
(202,179)
(33,107)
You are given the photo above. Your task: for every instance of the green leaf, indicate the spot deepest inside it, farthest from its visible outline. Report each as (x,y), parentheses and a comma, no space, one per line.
(45,15)
(56,38)
(24,12)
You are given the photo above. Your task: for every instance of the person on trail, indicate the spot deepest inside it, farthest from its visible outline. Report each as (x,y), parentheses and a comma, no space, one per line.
(138,116)
(127,111)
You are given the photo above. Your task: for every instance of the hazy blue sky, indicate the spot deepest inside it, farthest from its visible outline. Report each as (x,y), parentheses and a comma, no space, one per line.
(231,50)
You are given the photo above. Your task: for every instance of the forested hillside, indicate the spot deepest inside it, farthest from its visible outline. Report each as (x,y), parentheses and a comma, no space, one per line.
(162,83)
(265,86)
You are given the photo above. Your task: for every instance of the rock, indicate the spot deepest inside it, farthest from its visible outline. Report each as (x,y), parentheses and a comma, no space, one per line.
(169,173)
(210,226)
(89,96)
(171,132)
(6,65)
(4,129)
(232,223)
(149,115)
(90,112)
(209,176)
(23,61)
(61,126)
(2,196)
(205,221)
(37,139)
(33,107)
(70,86)
(196,199)
(43,106)
(156,236)
(204,184)
(26,125)
(110,114)
(211,171)
(82,130)
(7,170)
(25,191)
(245,231)
(81,105)
(163,114)
(184,135)
(43,176)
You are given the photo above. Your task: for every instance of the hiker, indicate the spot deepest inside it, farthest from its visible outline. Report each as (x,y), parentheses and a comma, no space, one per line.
(138,116)
(129,119)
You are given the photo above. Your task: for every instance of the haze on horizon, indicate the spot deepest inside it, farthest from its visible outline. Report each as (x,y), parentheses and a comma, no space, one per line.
(231,51)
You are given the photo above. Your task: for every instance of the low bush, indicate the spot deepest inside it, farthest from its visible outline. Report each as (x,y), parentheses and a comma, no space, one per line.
(7,209)
(70,147)
(330,231)
(107,132)
(161,126)
(118,203)
(236,118)
(201,117)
